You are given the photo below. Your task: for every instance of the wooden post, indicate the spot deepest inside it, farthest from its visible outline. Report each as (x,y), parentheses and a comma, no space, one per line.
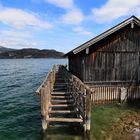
(123,94)
(53,73)
(43,108)
(88,112)
(49,93)
(84,117)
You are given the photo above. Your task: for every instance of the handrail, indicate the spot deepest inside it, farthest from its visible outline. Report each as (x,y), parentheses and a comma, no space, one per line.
(81,95)
(43,83)
(80,92)
(45,93)
(51,73)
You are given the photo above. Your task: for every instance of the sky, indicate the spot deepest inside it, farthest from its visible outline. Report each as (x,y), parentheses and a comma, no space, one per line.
(59,24)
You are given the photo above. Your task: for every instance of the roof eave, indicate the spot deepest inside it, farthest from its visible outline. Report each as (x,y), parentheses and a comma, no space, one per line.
(132,19)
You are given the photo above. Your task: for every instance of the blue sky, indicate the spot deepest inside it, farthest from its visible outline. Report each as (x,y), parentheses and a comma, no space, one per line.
(59,24)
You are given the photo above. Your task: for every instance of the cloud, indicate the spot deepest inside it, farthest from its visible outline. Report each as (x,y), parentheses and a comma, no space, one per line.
(20,39)
(22,28)
(73,14)
(66,4)
(114,9)
(74,17)
(19,19)
(17,43)
(16,39)
(16,34)
(81,31)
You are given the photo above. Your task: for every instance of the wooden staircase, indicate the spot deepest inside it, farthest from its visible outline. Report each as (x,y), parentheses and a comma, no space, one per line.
(64,99)
(62,108)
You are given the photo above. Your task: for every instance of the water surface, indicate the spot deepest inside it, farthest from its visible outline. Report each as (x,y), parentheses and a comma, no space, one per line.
(19,108)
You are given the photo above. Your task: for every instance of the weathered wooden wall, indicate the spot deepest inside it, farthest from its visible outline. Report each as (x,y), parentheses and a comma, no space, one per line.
(76,65)
(113,59)
(116,59)
(114,66)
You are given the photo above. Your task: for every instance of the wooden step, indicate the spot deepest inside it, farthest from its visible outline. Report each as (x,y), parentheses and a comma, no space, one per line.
(62,101)
(62,105)
(78,120)
(62,111)
(60,93)
(61,97)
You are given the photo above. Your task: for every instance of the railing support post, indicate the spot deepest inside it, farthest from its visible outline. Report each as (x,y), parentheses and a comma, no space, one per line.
(43,108)
(88,112)
(45,93)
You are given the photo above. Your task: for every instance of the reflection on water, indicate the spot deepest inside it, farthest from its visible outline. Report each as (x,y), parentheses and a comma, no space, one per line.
(64,132)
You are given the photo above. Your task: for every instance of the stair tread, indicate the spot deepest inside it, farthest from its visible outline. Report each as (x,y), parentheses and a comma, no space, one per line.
(61,111)
(54,119)
(62,105)
(60,92)
(64,101)
(61,83)
(62,97)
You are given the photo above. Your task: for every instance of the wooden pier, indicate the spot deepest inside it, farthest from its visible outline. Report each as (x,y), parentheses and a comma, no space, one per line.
(63,94)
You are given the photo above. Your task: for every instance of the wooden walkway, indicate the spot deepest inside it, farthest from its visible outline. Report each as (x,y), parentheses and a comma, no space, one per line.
(64,99)
(62,103)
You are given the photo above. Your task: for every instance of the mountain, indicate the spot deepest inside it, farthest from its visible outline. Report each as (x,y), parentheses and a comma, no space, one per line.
(4,49)
(31,53)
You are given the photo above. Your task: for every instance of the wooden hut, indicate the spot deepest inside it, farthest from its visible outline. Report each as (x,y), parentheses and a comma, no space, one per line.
(110,62)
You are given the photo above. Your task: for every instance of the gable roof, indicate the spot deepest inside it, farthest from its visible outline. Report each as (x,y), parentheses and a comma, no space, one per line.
(105,34)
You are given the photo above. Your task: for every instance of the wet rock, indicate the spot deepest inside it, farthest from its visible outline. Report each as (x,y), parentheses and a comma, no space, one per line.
(109,137)
(103,132)
(136,131)
(127,128)
(136,137)
(119,104)
(135,123)
(117,119)
(128,121)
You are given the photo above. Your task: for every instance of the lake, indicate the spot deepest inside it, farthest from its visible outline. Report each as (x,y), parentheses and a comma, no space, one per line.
(20,117)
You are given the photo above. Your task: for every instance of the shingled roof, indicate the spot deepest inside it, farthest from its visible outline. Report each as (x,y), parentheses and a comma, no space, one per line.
(105,34)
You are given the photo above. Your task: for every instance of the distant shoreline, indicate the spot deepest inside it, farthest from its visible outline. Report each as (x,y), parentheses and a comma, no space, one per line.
(35,58)
(31,53)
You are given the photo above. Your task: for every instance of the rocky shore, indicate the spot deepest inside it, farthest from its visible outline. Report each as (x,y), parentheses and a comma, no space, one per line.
(127,127)
(115,122)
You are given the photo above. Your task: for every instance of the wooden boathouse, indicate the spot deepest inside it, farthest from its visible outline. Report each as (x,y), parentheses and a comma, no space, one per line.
(110,63)
(105,69)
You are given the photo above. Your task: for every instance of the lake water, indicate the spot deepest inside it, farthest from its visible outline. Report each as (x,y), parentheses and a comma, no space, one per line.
(19,107)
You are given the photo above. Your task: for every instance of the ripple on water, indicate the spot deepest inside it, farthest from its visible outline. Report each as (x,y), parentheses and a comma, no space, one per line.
(19,108)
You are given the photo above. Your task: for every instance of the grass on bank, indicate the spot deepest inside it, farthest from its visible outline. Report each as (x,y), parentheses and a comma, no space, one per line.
(104,116)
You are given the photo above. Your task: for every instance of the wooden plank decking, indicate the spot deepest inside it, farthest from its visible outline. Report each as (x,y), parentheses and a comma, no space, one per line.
(62,104)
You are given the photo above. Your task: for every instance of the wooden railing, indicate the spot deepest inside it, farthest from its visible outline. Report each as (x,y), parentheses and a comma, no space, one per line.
(81,95)
(45,93)
(105,94)
(113,94)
